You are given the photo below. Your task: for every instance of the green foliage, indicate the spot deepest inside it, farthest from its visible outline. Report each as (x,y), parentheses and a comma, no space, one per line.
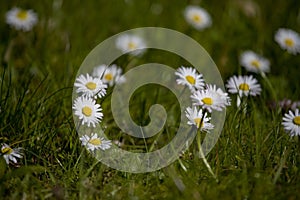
(254,158)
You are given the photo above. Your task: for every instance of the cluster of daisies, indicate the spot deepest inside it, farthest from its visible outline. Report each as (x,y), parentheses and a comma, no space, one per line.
(248,85)
(245,86)
(90,88)
(205,97)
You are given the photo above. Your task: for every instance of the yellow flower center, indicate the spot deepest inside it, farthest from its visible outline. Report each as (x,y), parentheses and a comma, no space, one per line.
(91,85)
(289,42)
(197,121)
(87,111)
(207,101)
(95,141)
(296,120)
(131,45)
(22,15)
(197,18)
(190,79)
(108,77)
(244,87)
(6,150)
(255,63)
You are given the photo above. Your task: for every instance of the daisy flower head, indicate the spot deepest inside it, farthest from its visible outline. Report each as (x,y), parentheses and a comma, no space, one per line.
(87,111)
(243,86)
(112,75)
(223,95)
(109,74)
(21,19)
(94,142)
(291,122)
(90,87)
(211,98)
(99,70)
(197,17)
(188,76)
(254,62)
(10,154)
(194,116)
(132,44)
(288,40)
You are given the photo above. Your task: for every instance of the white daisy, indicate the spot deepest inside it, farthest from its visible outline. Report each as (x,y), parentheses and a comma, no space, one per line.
(112,75)
(243,85)
(95,142)
(10,154)
(211,98)
(21,19)
(189,77)
(195,117)
(197,17)
(291,122)
(99,71)
(254,62)
(288,39)
(223,95)
(130,44)
(90,87)
(87,110)
(109,74)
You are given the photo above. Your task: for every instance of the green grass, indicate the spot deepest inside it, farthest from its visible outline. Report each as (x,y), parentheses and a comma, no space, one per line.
(254,158)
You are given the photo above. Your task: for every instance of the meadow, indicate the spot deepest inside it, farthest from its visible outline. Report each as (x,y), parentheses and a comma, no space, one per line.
(254,158)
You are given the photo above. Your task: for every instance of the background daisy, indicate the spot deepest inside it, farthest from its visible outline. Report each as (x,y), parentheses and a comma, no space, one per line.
(130,44)
(87,111)
(288,40)
(189,77)
(109,74)
(254,62)
(291,123)
(197,17)
(99,70)
(21,19)
(243,85)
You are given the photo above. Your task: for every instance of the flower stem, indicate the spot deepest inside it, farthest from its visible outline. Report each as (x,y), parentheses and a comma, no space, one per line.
(201,153)
(273,93)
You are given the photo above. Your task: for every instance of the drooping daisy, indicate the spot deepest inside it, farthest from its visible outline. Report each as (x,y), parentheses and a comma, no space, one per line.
(197,17)
(21,19)
(243,85)
(10,154)
(195,117)
(291,123)
(87,111)
(90,87)
(211,98)
(288,39)
(132,44)
(189,77)
(254,62)
(95,142)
